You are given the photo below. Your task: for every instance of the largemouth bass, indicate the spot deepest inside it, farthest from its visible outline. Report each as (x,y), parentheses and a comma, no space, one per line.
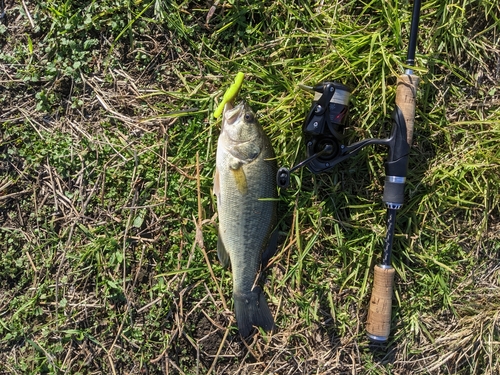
(245,187)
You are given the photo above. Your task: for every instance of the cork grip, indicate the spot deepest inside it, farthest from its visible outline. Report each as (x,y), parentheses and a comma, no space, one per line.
(406,100)
(378,325)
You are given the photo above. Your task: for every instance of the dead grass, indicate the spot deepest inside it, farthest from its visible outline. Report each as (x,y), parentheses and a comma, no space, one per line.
(108,225)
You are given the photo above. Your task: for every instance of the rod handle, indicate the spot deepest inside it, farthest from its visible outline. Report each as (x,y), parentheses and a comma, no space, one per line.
(406,100)
(378,325)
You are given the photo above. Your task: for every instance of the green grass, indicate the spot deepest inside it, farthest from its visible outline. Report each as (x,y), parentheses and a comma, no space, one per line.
(107,152)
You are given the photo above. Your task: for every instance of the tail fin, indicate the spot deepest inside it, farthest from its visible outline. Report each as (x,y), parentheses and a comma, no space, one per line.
(252,310)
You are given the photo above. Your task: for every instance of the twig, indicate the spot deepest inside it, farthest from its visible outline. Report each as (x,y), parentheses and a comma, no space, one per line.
(30,121)
(13,195)
(111,364)
(218,351)
(145,307)
(53,185)
(175,366)
(28,14)
(31,262)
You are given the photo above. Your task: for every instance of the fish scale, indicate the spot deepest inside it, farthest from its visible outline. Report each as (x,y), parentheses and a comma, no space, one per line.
(246,227)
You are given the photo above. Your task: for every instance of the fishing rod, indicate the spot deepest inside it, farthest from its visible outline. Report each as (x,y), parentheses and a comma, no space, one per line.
(378,324)
(323,131)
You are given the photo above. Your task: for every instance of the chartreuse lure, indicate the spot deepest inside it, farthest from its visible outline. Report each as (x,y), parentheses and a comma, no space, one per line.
(230,93)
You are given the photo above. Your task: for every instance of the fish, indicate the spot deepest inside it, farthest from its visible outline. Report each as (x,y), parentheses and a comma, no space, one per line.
(245,188)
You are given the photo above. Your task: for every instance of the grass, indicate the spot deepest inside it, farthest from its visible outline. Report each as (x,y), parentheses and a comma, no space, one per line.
(107,151)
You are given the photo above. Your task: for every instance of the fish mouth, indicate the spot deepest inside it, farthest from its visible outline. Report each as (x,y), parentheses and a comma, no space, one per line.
(232,114)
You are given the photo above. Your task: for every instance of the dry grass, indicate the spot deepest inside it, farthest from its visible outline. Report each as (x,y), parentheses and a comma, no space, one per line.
(108,226)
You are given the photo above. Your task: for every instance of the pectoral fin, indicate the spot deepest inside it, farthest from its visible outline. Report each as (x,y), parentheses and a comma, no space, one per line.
(240,179)
(216,183)
(222,254)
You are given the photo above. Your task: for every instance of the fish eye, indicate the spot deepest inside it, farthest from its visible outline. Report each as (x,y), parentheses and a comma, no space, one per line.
(248,117)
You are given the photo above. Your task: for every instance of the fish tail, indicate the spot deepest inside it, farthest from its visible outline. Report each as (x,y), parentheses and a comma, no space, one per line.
(252,310)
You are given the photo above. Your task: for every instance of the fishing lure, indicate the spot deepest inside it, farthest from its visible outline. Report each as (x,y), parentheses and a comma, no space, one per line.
(230,93)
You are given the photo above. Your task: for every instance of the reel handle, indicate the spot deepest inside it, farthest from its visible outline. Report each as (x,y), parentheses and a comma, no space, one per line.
(283,175)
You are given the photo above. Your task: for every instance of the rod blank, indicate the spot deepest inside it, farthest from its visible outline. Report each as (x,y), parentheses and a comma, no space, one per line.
(412,46)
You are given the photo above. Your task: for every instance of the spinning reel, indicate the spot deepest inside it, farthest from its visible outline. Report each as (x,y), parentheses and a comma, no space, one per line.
(324,134)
